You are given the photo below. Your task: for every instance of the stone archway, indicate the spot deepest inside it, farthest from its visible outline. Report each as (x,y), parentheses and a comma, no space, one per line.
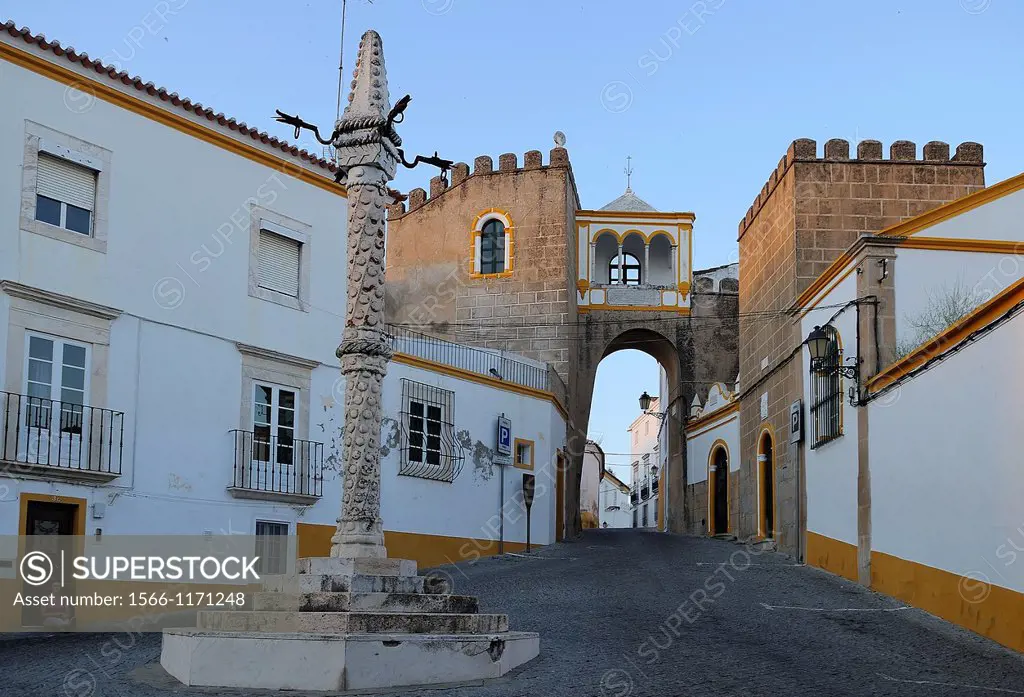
(695,350)
(667,340)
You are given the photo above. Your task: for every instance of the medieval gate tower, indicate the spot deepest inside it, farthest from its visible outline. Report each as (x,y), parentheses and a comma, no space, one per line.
(507,258)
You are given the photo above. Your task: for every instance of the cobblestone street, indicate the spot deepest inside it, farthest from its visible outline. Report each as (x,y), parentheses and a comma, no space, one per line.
(632,613)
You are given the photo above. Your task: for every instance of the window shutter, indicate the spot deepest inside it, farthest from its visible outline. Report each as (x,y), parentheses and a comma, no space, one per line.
(66,181)
(279,263)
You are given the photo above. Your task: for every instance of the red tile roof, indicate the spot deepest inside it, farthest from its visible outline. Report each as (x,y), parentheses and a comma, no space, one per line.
(183,103)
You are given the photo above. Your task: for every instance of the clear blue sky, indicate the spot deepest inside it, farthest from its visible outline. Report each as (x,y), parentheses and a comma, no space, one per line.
(705,105)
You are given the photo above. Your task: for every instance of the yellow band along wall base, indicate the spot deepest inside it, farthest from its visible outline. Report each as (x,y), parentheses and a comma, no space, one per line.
(425,550)
(992,611)
(834,556)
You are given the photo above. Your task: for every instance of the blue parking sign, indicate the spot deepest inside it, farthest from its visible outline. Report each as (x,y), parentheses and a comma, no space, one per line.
(504,436)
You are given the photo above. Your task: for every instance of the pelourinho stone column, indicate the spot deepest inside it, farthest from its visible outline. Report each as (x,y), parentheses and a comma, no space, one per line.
(366,146)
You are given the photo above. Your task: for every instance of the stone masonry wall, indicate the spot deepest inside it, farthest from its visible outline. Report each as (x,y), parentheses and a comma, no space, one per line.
(808,213)
(430,255)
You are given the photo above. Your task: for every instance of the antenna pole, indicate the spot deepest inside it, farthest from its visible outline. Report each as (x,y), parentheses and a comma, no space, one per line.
(341,57)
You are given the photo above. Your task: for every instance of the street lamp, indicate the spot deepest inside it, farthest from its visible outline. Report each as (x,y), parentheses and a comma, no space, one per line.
(645,401)
(645,405)
(826,360)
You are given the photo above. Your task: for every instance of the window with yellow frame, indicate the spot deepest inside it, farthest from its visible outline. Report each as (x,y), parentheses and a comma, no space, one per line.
(522,451)
(493,245)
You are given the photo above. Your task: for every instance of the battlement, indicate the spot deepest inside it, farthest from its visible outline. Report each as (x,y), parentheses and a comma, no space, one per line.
(482,166)
(869,152)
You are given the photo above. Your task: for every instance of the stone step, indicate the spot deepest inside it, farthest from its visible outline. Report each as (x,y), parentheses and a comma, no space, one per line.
(350,567)
(333,662)
(349,622)
(356,602)
(359,583)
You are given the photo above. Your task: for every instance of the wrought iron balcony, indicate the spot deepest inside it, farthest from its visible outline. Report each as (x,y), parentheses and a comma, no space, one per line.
(634,497)
(60,440)
(277,469)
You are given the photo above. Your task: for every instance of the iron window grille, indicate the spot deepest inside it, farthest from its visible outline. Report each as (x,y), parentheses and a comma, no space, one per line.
(429,449)
(827,392)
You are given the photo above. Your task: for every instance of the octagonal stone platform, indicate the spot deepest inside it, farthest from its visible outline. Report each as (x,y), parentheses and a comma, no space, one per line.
(347,624)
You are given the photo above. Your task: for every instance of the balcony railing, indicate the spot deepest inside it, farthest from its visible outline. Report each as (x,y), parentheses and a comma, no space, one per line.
(495,364)
(62,439)
(268,467)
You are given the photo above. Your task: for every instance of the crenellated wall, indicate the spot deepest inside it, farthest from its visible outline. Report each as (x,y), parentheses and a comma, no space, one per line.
(812,207)
(431,279)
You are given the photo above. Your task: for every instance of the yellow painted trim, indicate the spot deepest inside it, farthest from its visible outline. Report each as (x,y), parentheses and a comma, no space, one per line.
(766,429)
(959,244)
(510,242)
(713,488)
(108,93)
(620,237)
(426,550)
(637,308)
(841,267)
(433,366)
(834,556)
(952,209)
(992,611)
(515,453)
(705,419)
(712,427)
(25,498)
(582,285)
(637,215)
(980,317)
(803,301)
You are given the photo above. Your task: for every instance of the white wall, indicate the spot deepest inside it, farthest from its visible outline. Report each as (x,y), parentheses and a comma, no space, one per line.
(699,442)
(590,482)
(611,497)
(177,214)
(831,468)
(470,505)
(946,484)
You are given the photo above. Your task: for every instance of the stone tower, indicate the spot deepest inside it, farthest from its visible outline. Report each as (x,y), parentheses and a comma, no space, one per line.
(811,209)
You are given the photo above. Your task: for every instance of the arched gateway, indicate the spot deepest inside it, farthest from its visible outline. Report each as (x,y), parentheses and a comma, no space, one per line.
(575,286)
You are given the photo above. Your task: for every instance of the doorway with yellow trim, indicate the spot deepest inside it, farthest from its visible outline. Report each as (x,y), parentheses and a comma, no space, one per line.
(718,492)
(766,483)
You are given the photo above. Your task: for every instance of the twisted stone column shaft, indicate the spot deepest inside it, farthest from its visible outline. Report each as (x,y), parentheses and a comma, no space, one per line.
(364,354)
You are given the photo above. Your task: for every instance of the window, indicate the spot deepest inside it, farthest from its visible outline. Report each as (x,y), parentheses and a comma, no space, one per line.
(523,451)
(271,547)
(827,393)
(429,449)
(630,270)
(273,425)
(280,249)
(634,517)
(56,382)
(279,263)
(492,247)
(65,194)
(645,516)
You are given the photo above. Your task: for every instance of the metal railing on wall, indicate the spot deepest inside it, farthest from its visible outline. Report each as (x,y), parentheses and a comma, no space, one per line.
(280,466)
(494,364)
(51,433)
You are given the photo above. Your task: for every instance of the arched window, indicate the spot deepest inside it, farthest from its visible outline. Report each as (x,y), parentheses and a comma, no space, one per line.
(827,392)
(630,270)
(492,247)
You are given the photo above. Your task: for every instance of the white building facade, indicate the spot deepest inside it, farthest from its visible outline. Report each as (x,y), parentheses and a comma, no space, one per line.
(172,292)
(913,483)
(644,438)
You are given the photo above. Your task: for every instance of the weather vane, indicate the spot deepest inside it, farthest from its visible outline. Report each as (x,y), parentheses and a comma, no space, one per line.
(628,170)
